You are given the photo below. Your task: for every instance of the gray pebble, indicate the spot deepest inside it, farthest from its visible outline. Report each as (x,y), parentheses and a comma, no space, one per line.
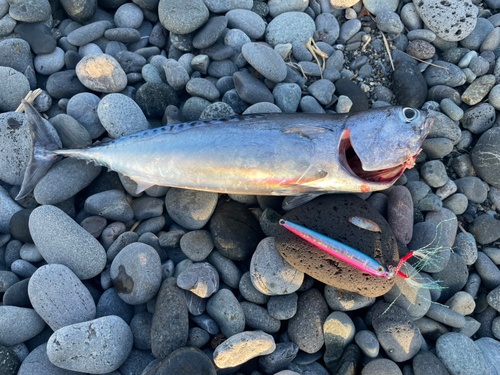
(207,323)
(265,60)
(176,74)
(200,63)
(444,127)
(121,116)
(306,328)
(223,6)
(258,318)
(327,28)
(59,297)
(445,315)
(190,209)
(452,77)
(114,80)
(479,119)
(61,240)
(201,279)
(434,173)
(250,293)
(228,271)
(198,337)
(451,109)
(288,27)
(437,148)
(72,347)
(15,87)
(197,245)
(30,253)
(487,270)
(478,90)
(322,90)
(7,279)
(493,253)
(283,307)
(479,66)
(339,332)
(196,305)
(22,268)
(193,108)
(136,273)
(210,32)
(263,107)
(122,34)
(251,89)
(300,52)
(147,207)
(9,208)
(49,63)
(153,225)
(225,309)
(18,324)
(30,11)
(277,7)
(203,88)
(462,303)
(389,22)
(368,343)
(111,204)
(457,203)
(310,105)
(88,33)
(37,362)
(348,30)
(287,96)
(247,21)
(473,188)
(343,300)
(459,353)
(83,108)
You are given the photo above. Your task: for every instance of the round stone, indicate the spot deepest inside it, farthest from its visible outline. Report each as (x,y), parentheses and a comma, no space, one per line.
(189,208)
(329,215)
(459,353)
(83,108)
(97,346)
(102,73)
(187,361)
(197,245)
(61,240)
(377,6)
(201,279)
(136,273)
(59,297)
(154,97)
(49,63)
(270,273)
(265,60)
(14,86)
(289,27)
(80,10)
(18,324)
(343,300)
(224,308)
(120,115)
(247,21)
(181,17)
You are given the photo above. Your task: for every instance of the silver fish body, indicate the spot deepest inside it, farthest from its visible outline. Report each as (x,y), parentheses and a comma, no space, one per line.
(268,154)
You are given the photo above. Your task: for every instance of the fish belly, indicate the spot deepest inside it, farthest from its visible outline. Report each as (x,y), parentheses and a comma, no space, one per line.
(229,159)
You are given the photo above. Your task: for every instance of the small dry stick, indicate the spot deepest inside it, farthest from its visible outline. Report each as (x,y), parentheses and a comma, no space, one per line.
(297,66)
(388,51)
(30,97)
(462,229)
(425,62)
(363,47)
(315,51)
(134,227)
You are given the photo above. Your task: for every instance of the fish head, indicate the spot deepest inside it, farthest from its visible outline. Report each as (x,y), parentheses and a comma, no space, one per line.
(377,146)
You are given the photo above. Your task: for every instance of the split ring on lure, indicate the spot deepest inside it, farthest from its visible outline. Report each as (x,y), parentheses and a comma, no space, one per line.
(346,253)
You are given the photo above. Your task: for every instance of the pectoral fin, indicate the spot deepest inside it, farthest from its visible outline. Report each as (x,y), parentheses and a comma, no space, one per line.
(141,185)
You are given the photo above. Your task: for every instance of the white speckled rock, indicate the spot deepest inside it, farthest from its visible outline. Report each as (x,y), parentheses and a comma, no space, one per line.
(59,297)
(98,346)
(451,20)
(101,73)
(61,240)
(270,273)
(120,115)
(242,347)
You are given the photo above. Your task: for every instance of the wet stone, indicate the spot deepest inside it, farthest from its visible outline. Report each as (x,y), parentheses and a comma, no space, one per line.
(306,328)
(329,215)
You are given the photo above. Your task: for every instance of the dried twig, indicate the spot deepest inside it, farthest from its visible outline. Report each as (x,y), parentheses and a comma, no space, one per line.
(30,97)
(388,50)
(134,227)
(425,62)
(315,51)
(363,47)
(297,66)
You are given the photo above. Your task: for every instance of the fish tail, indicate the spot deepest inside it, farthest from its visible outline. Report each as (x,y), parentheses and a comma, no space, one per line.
(43,156)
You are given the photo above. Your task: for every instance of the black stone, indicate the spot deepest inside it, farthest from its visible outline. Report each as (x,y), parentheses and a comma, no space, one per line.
(9,361)
(440,92)
(18,225)
(17,295)
(452,278)
(71,59)
(486,319)
(154,97)
(185,361)
(64,84)
(38,36)
(328,215)
(235,231)
(409,86)
(232,98)
(170,324)
(350,89)
(485,157)
(111,304)
(350,362)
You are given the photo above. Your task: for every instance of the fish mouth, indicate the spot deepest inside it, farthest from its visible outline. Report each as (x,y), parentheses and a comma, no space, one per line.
(351,162)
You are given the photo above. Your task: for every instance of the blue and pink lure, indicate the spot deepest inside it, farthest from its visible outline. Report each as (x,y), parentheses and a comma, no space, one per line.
(346,253)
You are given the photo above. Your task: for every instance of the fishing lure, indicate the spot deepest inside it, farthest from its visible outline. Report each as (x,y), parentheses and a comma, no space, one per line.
(364,223)
(346,253)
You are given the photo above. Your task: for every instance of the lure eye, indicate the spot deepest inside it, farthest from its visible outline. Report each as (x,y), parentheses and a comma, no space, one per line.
(410,114)
(380,270)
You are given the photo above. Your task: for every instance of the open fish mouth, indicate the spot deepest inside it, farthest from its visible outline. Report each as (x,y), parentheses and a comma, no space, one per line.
(350,160)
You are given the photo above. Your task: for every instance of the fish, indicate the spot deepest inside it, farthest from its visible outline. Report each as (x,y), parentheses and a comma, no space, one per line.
(364,223)
(282,154)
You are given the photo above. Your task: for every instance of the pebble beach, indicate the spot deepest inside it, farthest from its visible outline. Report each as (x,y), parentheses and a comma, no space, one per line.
(97,279)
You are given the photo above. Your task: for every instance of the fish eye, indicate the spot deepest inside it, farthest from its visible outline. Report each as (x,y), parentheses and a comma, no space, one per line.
(410,114)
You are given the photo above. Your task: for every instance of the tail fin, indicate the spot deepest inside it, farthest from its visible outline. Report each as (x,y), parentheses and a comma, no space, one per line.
(42,158)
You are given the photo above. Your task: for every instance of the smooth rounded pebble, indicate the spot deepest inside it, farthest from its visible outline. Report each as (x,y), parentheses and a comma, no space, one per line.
(61,240)
(97,346)
(265,60)
(37,362)
(258,318)
(271,274)
(247,21)
(242,347)
(197,245)
(136,273)
(18,324)
(120,115)
(224,308)
(102,73)
(368,343)
(250,293)
(49,63)
(9,208)
(460,354)
(339,332)
(186,361)
(289,27)
(59,297)
(344,300)
(14,87)
(190,209)
(182,17)
(110,204)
